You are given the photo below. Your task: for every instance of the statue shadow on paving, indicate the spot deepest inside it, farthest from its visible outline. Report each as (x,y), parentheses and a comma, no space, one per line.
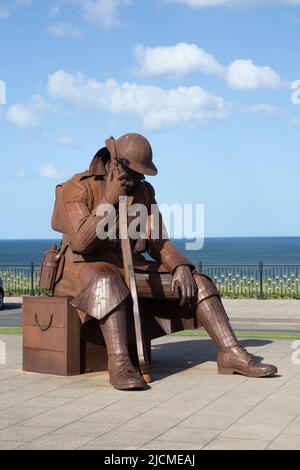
(172,358)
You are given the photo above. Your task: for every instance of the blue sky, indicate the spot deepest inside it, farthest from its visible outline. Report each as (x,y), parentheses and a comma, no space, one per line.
(208,83)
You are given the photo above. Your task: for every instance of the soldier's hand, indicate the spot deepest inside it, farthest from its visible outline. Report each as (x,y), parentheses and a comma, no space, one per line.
(116,185)
(184,280)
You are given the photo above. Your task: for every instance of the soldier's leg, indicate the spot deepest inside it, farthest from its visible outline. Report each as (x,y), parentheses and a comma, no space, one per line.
(103,296)
(122,374)
(212,315)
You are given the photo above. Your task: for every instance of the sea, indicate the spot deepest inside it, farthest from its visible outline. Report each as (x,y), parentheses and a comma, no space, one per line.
(240,250)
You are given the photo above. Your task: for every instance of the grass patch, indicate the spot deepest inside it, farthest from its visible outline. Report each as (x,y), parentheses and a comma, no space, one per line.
(245,334)
(11,330)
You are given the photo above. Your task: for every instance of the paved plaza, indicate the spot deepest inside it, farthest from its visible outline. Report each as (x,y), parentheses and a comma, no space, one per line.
(188,405)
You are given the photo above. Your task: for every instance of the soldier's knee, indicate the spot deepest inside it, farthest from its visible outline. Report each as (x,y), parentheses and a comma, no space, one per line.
(109,274)
(206,287)
(108,268)
(103,292)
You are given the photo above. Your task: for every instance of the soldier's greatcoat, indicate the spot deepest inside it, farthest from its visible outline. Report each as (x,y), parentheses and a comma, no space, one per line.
(88,262)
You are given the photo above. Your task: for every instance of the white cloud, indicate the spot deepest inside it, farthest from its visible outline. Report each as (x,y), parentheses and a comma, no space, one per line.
(49,170)
(103,12)
(179,59)
(275,111)
(232,3)
(244,75)
(183,58)
(27,114)
(267,109)
(20,115)
(154,106)
(65,30)
(2,92)
(100,12)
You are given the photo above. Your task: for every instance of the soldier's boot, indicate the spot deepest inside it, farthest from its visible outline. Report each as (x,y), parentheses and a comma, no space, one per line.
(232,358)
(122,374)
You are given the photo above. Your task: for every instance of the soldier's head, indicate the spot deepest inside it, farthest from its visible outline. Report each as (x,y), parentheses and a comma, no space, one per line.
(135,154)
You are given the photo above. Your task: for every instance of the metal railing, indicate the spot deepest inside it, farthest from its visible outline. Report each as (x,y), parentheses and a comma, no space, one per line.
(20,279)
(259,280)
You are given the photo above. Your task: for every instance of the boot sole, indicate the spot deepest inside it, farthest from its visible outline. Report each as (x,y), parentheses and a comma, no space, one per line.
(230,371)
(128,387)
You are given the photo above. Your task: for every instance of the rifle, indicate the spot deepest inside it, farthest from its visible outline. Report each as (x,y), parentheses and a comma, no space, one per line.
(128,268)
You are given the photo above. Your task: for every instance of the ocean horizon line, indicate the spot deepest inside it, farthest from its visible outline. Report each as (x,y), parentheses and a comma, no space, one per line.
(182,239)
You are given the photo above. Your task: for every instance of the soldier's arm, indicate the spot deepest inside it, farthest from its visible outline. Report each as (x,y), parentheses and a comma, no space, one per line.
(80,224)
(161,248)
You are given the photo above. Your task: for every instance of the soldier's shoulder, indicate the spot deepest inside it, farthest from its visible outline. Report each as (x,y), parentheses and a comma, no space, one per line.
(75,186)
(82,176)
(77,178)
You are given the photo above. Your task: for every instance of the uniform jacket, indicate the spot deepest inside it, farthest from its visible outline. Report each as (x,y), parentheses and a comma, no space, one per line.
(85,256)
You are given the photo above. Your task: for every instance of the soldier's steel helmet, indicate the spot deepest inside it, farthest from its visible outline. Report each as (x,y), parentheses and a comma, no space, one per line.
(135,151)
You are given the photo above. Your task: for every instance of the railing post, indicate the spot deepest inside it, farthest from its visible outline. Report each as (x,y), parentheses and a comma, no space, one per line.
(31,278)
(200,267)
(261,270)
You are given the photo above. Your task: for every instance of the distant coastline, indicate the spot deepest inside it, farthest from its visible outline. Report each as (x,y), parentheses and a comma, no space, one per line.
(217,250)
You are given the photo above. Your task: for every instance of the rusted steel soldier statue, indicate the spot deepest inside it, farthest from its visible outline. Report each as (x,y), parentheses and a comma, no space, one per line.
(172,295)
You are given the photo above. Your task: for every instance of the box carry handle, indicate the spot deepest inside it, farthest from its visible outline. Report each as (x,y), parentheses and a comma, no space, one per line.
(43,327)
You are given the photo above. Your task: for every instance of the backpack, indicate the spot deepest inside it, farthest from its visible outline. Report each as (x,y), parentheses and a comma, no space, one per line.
(57,220)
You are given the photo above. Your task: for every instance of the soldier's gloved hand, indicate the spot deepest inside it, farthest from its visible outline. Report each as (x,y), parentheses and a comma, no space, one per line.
(116,186)
(184,280)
